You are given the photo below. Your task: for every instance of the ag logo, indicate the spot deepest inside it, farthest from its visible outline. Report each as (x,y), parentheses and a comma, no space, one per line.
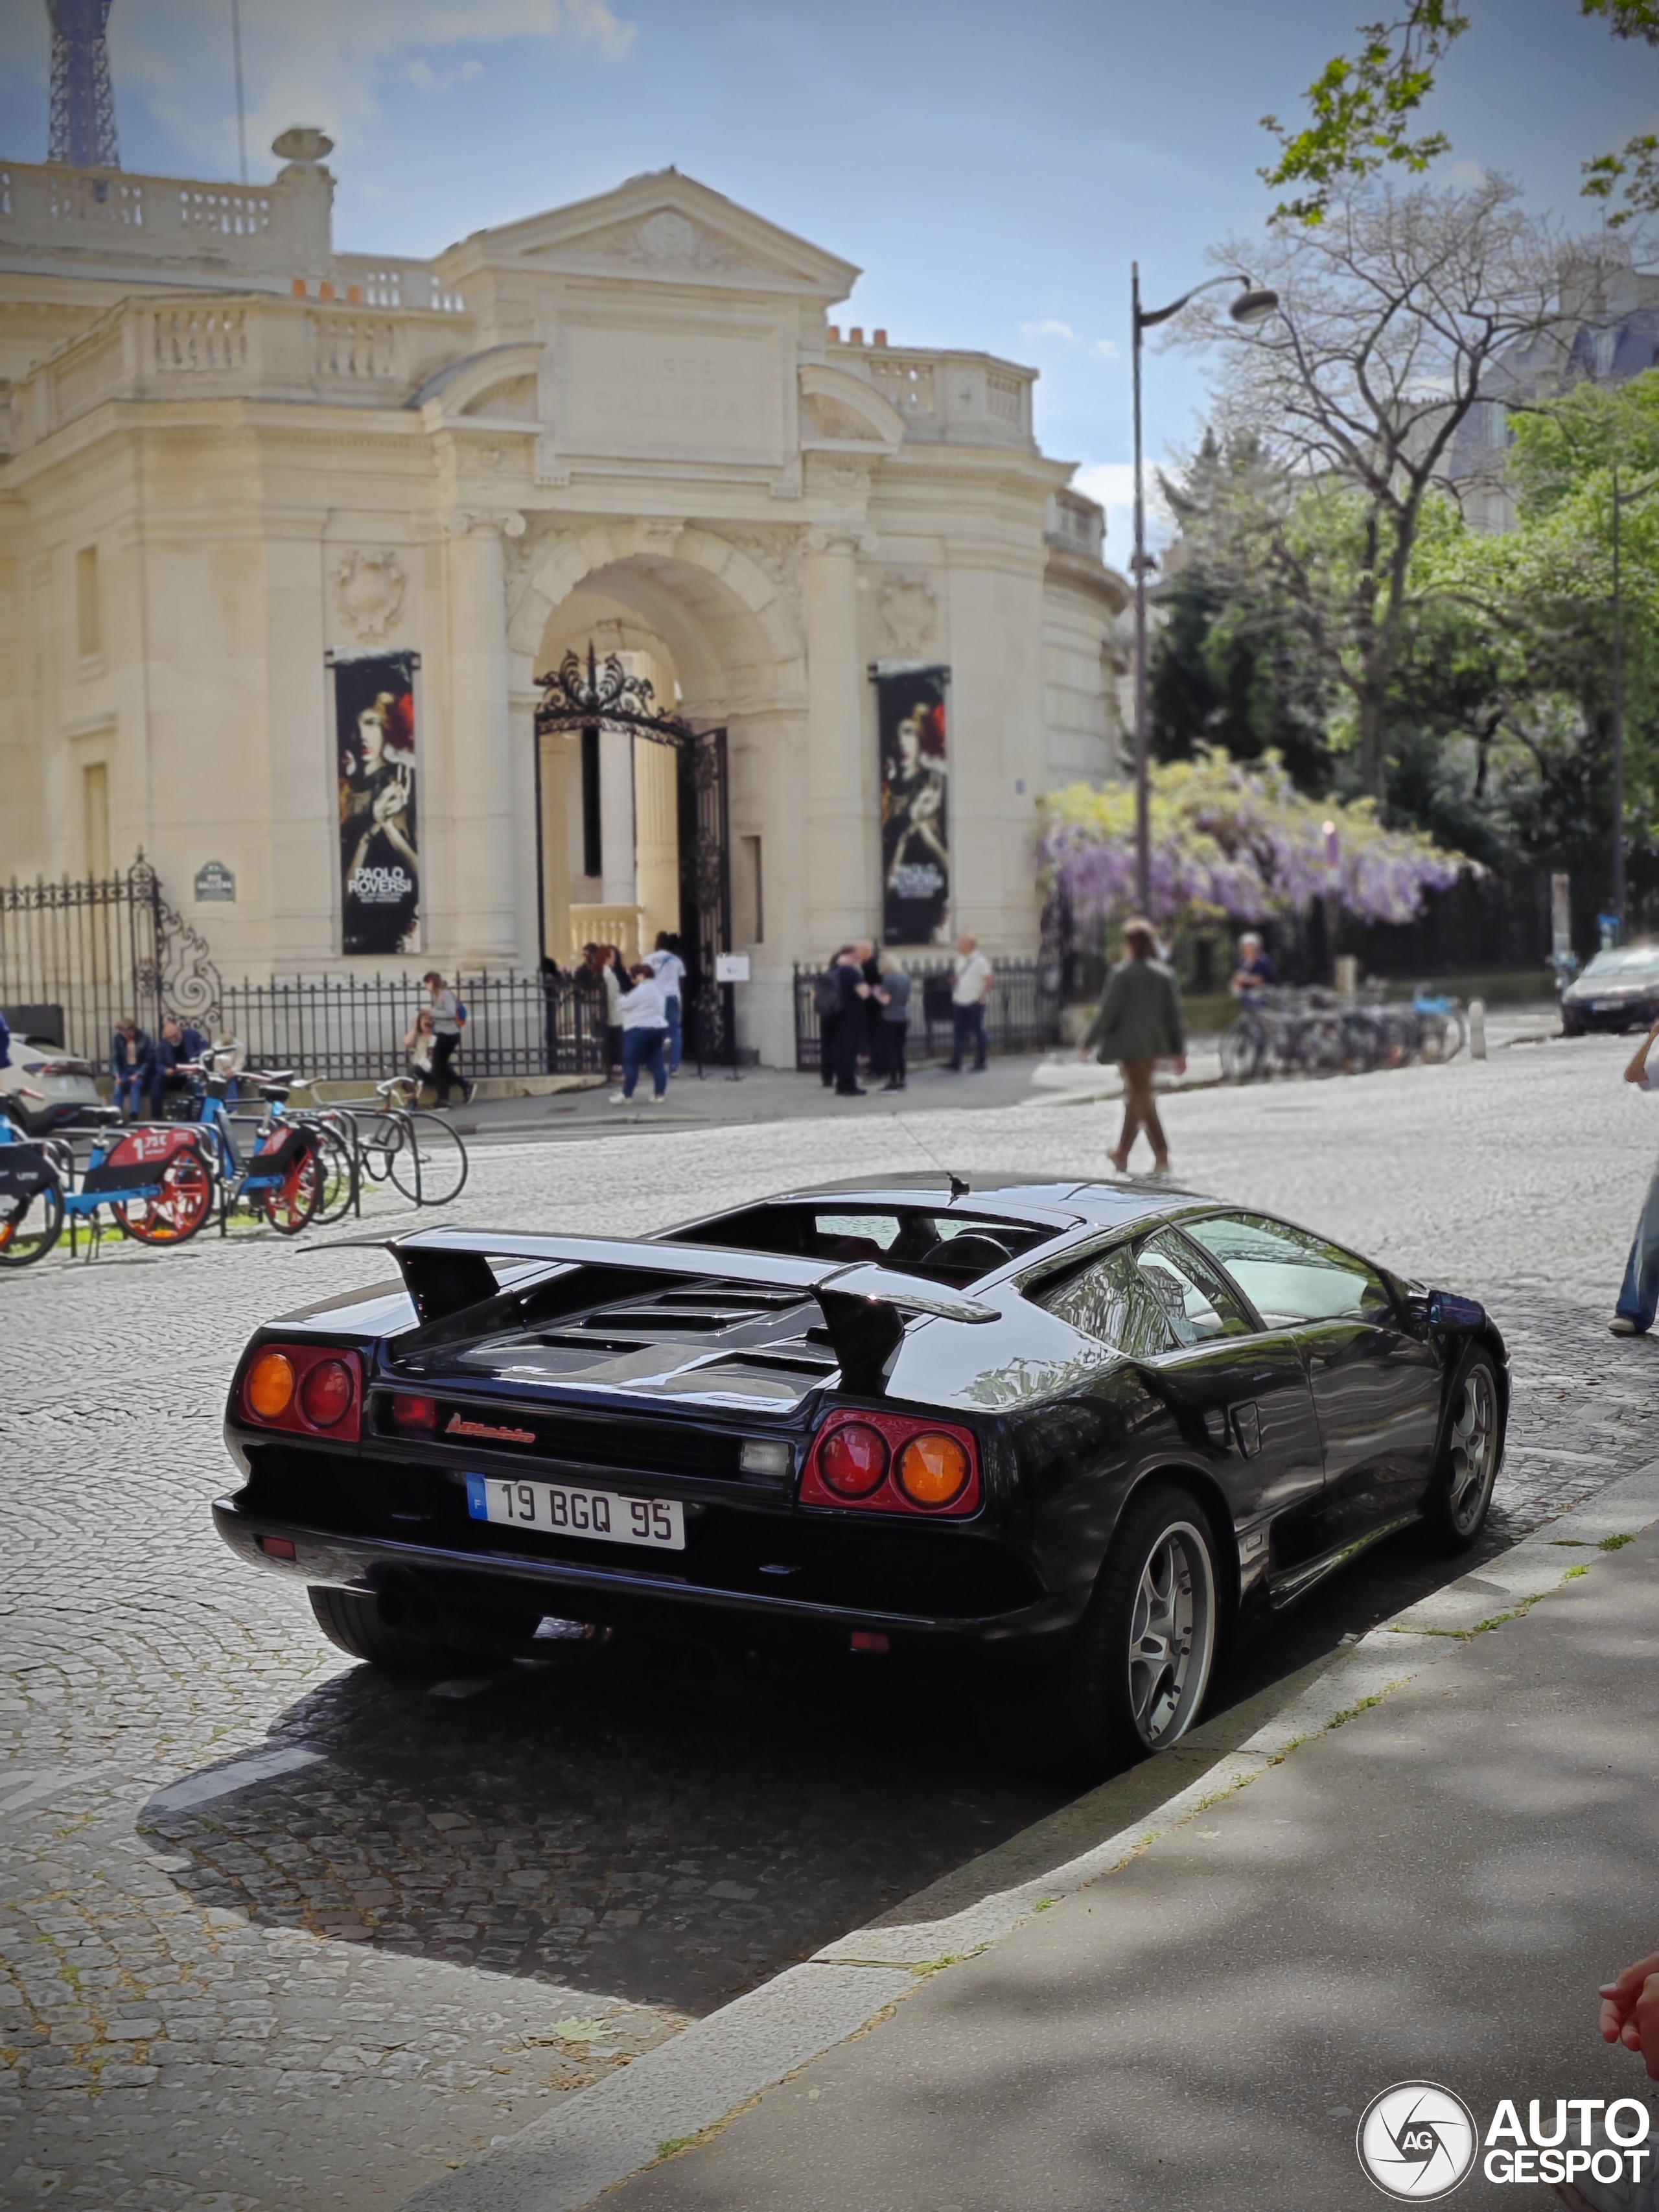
(1417,2142)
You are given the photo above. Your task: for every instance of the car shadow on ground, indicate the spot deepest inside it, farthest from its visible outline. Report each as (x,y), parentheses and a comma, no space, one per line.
(630,1822)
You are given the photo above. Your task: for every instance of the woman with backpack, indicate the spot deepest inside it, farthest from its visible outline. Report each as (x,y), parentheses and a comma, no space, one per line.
(448,1015)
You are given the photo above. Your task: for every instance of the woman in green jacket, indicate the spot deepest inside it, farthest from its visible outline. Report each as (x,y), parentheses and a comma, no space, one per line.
(1140,1022)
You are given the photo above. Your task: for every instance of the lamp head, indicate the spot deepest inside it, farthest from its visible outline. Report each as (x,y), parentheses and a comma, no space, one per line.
(1254,306)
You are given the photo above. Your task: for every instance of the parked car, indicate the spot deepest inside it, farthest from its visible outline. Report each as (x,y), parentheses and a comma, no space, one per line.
(1618,990)
(1067,1429)
(47,1088)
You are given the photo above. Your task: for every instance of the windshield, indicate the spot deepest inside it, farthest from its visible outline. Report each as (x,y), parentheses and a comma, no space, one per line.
(921,1240)
(1626,960)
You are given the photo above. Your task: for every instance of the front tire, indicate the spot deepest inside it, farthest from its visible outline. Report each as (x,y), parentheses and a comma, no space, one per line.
(359,1625)
(1459,1495)
(1140,1668)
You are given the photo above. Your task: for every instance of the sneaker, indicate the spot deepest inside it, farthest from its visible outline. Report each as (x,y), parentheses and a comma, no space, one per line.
(471,1093)
(619,1098)
(653,1098)
(1621,1327)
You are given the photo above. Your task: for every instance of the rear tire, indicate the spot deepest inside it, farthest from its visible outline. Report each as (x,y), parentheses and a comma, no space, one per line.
(1459,1495)
(184,1203)
(1241,1054)
(28,1232)
(355,1624)
(431,1167)
(292,1205)
(1138,1672)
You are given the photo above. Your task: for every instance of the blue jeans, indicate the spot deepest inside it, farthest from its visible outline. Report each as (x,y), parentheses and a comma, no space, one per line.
(672,1008)
(1639,1295)
(967,1027)
(130,1086)
(644,1048)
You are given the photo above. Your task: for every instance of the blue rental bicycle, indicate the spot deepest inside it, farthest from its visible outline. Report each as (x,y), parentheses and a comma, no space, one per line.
(285,1176)
(154,1179)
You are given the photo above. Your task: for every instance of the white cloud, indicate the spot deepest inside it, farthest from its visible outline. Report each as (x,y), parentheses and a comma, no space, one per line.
(320,61)
(1113,483)
(1048,330)
(1097,349)
(1102,349)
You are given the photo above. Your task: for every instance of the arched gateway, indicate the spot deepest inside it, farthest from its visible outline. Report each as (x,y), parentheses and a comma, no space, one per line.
(323,674)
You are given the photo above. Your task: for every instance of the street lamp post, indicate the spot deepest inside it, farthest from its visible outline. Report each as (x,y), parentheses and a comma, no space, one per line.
(1252,306)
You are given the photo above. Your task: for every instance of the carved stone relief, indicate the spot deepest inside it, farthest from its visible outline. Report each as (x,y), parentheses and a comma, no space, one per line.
(826,418)
(666,239)
(909,607)
(368,594)
(777,551)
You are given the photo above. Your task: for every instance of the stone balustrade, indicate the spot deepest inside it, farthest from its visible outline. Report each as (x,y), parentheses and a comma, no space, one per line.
(169,229)
(1076,525)
(959,398)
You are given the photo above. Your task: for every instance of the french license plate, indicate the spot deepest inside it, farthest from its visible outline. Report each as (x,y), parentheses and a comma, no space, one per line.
(553,1509)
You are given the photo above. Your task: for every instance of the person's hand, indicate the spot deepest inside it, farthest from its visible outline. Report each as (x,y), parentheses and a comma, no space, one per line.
(1630,2011)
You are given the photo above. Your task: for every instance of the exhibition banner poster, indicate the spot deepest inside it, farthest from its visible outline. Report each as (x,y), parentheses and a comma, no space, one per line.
(915,849)
(379,839)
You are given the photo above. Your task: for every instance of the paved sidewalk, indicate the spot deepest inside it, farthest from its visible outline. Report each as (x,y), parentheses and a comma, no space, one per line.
(1430,1891)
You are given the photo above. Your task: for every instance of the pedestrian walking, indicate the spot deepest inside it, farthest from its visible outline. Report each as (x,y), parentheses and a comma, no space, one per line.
(971,979)
(613,978)
(132,1064)
(1639,1295)
(447,1015)
(1139,1024)
(893,996)
(669,969)
(644,1035)
(849,1022)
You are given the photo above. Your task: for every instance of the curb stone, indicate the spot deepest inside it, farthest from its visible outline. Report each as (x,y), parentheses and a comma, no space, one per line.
(704,2073)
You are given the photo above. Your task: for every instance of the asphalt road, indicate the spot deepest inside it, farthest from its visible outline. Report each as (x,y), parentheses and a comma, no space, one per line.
(325,1976)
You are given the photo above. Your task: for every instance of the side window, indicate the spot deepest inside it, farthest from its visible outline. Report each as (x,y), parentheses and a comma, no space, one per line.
(1112,1299)
(1198,1304)
(1290,1276)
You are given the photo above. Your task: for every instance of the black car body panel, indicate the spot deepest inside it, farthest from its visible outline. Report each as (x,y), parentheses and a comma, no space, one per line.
(697,1368)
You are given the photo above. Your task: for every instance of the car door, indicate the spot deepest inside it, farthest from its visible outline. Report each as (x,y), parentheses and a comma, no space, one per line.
(1375,1382)
(1244,1385)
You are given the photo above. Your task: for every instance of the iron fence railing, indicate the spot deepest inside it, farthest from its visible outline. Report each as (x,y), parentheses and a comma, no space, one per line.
(352,1028)
(1023,1014)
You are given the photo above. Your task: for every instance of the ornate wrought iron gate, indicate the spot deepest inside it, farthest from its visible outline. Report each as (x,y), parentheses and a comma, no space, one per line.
(80,956)
(603,694)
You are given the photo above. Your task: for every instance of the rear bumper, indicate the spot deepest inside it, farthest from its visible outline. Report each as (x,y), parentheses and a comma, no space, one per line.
(1577,1014)
(498,1580)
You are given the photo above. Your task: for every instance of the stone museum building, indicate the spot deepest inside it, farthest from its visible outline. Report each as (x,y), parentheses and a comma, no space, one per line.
(585,581)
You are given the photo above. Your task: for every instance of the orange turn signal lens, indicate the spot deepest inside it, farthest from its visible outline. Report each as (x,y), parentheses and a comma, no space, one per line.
(932,1470)
(854,1460)
(269,1389)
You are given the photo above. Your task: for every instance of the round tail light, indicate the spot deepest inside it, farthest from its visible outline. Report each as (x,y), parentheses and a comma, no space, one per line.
(854,1460)
(932,1470)
(269,1389)
(325,1393)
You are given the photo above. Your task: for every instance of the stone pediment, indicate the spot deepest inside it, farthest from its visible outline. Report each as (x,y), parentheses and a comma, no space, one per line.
(661,227)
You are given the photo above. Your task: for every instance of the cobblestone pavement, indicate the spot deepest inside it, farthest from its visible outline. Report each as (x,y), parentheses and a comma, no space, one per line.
(276,1933)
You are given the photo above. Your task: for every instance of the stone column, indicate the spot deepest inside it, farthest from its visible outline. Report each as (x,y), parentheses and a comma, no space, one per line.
(483,932)
(839,823)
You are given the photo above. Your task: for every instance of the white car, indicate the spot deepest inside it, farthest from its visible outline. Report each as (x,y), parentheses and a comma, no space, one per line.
(45,1088)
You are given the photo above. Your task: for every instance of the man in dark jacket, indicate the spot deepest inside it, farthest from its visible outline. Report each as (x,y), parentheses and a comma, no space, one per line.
(132,1064)
(179,1046)
(850,1023)
(1140,1022)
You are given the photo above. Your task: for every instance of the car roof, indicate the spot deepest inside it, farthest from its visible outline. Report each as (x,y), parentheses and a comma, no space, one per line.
(1061,1200)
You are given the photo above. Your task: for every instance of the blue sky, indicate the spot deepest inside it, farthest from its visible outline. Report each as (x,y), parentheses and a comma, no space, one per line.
(992,168)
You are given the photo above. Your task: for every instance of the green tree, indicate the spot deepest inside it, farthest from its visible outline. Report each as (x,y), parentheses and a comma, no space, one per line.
(1363,109)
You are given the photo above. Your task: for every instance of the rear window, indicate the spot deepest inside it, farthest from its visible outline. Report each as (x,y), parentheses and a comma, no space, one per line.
(954,1247)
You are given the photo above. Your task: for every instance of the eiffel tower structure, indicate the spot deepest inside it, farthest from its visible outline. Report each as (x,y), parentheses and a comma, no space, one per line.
(82,103)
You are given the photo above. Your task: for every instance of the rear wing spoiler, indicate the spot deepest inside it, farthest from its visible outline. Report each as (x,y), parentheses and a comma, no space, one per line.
(865,1305)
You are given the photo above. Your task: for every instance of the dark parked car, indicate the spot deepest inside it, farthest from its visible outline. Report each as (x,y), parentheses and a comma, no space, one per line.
(1066,1427)
(1619,990)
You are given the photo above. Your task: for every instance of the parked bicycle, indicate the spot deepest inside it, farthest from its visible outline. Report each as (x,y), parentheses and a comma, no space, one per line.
(287,1175)
(154,1179)
(1314,1032)
(390,1140)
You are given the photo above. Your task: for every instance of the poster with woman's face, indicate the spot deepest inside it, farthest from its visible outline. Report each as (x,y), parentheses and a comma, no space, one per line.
(915,852)
(379,845)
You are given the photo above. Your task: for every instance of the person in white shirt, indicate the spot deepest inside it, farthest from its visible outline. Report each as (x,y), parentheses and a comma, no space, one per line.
(669,969)
(1639,1295)
(645,1035)
(970,987)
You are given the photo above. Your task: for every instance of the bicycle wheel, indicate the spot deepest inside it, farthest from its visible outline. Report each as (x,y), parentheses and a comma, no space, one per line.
(377,1143)
(1241,1054)
(339,1173)
(430,1165)
(30,1224)
(294,1203)
(181,1205)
